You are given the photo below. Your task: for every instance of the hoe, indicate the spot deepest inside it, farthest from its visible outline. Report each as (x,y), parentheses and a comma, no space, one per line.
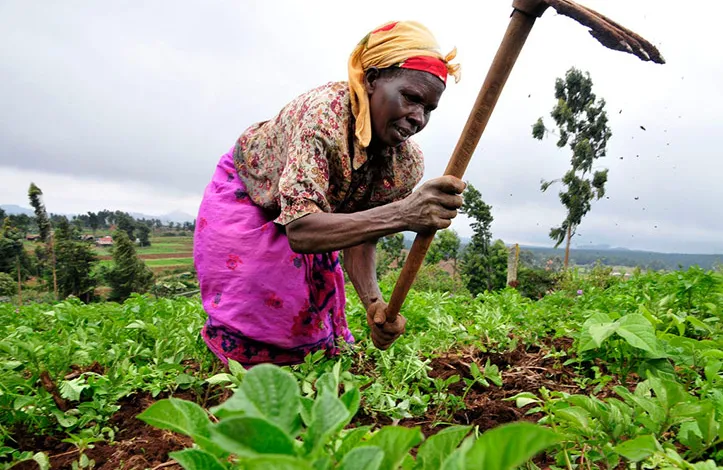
(607,32)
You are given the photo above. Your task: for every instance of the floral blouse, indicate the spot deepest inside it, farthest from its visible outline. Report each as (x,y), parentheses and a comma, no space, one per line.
(306,160)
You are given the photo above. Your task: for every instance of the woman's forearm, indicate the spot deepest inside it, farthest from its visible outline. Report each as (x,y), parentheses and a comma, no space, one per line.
(431,207)
(323,232)
(360,266)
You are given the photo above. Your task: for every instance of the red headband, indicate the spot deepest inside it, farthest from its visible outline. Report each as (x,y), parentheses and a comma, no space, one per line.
(435,66)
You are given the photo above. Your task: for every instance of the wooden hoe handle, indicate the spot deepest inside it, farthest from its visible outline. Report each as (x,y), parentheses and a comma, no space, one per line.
(515,37)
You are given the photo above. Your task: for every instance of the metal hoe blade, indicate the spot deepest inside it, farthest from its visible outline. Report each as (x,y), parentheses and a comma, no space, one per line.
(609,33)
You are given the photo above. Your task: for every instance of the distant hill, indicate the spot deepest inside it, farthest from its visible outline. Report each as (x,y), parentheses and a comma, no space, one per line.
(175,216)
(613,256)
(12,209)
(631,258)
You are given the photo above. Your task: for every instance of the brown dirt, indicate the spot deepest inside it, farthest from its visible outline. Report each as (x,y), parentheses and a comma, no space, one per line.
(137,446)
(525,369)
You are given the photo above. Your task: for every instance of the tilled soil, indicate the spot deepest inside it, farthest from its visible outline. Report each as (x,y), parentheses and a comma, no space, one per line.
(526,369)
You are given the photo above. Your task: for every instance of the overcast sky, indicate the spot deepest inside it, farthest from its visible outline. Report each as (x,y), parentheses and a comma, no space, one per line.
(129,105)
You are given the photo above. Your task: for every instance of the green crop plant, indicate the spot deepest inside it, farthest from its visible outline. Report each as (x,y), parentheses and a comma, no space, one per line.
(267,423)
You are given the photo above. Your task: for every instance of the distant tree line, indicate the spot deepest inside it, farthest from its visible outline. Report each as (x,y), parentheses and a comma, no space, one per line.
(102,220)
(63,260)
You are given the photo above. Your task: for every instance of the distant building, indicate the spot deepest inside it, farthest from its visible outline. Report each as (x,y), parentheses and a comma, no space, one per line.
(104,241)
(32,238)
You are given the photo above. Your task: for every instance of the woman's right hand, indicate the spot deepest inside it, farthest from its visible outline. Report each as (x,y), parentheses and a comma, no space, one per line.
(433,206)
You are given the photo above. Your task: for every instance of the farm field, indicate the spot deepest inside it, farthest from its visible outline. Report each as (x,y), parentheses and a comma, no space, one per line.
(603,373)
(164,254)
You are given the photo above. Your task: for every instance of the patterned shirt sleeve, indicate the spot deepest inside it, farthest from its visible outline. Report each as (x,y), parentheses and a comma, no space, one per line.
(304,182)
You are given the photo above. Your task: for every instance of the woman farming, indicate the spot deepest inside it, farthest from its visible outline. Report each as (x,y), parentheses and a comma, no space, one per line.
(334,170)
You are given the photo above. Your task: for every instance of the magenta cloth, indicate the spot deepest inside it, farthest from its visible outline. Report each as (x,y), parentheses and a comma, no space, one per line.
(265,303)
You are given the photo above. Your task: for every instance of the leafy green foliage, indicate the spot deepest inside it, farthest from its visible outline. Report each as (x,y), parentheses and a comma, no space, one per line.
(445,246)
(129,274)
(8,285)
(41,216)
(658,334)
(258,431)
(390,253)
(75,261)
(582,124)
(483,265)
(139,346)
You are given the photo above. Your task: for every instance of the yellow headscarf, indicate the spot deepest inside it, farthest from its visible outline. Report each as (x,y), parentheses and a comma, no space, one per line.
(388,45)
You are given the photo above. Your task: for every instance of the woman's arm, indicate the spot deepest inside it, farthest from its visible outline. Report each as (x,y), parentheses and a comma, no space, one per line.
(360,265)
(431,207)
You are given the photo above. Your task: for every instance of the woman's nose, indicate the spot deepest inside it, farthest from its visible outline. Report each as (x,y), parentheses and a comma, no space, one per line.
(416,117)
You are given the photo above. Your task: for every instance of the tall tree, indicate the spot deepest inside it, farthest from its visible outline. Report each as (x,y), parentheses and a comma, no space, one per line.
(22,222)
(482,266)
(75,261)
(144,232)
(129,273)
(127,224)
(11,250)
(41,216)
(2,214)
(13,259)
(444,247)
(93,221)
(390,252)
(582,124)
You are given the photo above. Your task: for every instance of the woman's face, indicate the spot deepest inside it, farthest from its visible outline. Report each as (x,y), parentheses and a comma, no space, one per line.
(400,103)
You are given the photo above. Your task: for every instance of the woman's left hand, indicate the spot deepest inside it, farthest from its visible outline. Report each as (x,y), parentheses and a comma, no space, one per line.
(384,333)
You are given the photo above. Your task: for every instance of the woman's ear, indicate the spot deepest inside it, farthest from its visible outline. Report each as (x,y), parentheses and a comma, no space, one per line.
(371,75)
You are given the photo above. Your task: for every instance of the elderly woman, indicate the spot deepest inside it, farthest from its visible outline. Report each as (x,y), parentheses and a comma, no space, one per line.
(334,170)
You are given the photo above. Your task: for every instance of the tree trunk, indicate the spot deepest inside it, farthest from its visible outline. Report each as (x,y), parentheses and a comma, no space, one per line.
(513,261)
(20,283)
(55,274)
(567,246)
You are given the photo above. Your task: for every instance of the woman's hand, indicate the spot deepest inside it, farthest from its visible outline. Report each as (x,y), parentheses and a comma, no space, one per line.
(434,205)
(383,332)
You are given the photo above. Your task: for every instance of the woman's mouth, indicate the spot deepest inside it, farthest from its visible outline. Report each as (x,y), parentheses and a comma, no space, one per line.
(403,133)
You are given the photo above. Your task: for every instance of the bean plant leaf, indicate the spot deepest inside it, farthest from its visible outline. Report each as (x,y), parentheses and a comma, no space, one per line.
(236,368)
(196,459)
(322,463)
(267,392)
(639,333)
(669,393)
(41,458)
(435,449)
(525,398)
(276,462)
(639,448)
(363,458)
(597,322)
(72,389)
(327,383)
(248,436)
(351,399)
(328,416)
(177,415)
(351,440)
(456,460)
(577,417)
(305,410)
(395,441)
(509,446)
